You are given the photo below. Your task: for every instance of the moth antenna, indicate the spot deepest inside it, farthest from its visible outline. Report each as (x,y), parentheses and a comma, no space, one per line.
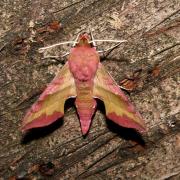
(54,45)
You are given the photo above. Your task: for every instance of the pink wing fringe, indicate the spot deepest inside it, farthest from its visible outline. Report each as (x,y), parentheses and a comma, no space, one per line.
(42,121)
(124,121)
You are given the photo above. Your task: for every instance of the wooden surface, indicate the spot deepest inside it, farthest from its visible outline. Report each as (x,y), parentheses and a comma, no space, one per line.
(152,28)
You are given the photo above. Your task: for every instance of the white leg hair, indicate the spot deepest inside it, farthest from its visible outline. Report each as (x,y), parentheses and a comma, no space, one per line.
(121,87)
(54,57)
(65,54)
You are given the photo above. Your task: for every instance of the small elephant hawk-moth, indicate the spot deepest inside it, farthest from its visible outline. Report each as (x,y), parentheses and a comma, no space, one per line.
(84,78)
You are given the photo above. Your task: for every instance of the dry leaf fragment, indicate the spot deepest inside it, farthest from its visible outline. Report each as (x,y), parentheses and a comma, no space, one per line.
(47,169)
(155,71)
(51,27)
(131,83)
(128,84)
(54,26)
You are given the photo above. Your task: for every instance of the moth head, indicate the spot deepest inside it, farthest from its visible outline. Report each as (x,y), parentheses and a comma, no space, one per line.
(83,39)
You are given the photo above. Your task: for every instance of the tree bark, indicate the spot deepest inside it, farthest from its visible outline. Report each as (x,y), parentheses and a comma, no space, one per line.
(149,61)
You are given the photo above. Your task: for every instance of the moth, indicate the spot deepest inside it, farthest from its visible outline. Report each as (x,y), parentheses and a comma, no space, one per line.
(84,78)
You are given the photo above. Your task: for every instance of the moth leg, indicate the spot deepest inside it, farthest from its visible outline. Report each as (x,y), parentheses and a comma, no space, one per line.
(58,59)
(121,87)
(109,50)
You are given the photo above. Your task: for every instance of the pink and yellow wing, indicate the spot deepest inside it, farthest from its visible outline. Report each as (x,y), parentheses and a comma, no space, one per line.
(118,108)
(50,105)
